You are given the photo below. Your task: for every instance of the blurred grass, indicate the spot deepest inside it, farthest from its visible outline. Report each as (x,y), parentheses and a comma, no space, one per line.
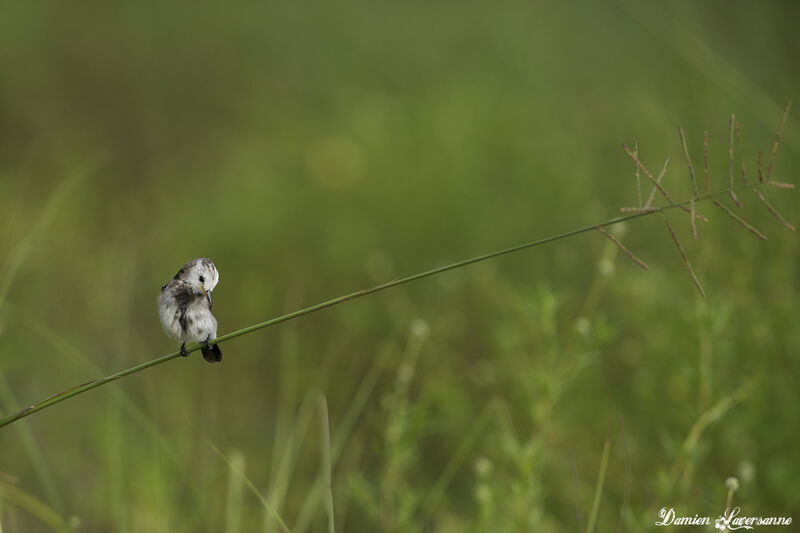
(313,149)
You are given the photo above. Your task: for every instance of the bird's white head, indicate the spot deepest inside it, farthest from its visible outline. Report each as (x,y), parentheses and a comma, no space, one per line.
(200,274)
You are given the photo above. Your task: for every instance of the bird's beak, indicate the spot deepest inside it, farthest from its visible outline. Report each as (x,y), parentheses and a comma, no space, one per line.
(208,296)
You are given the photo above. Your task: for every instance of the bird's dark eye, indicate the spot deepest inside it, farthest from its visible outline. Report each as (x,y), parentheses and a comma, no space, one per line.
(202,280)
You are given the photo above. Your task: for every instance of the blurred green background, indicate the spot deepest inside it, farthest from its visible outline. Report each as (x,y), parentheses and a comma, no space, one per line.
(312,149)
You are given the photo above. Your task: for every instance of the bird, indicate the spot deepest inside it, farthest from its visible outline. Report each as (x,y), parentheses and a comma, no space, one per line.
(184,307)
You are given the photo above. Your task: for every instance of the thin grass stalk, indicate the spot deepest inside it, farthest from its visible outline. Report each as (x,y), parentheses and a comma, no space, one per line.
(32,449)
(344,429)
(287,418)
(772,210)
(624,508)
(777,140)
(688,161)
(738,219)
(598,491)
(356,405)
(624,249)
(287,464)
(706,419)
(636,174)
(730,164)
(579,502)
(63,347)
(115,473)
(705,160)
(780,184)
(730,151)
(648,210)
(251,487)
(649,174)
(658,179)
(640,210)
(21,251)
(325,459)
(408,358)
(233,505)
(657,183)
(458,458)
(733,485)
(691,220)
(32,505)
(741,157)
(685,258)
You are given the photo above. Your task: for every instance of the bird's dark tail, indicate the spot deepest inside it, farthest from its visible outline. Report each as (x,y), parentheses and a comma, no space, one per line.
(212,354)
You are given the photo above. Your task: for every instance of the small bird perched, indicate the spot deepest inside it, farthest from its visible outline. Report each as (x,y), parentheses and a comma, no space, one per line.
(184,307)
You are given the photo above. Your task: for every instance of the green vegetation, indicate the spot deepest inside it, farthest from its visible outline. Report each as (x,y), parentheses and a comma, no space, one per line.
(314,150)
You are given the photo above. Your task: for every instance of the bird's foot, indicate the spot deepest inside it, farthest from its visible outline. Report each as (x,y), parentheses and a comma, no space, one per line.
(183,350)
(205,343)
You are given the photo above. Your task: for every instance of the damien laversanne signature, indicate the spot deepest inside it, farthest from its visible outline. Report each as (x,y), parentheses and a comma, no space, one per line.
(728,521)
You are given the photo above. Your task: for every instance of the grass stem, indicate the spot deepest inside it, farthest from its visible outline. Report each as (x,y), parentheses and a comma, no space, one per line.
(598,492)
(89,385)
